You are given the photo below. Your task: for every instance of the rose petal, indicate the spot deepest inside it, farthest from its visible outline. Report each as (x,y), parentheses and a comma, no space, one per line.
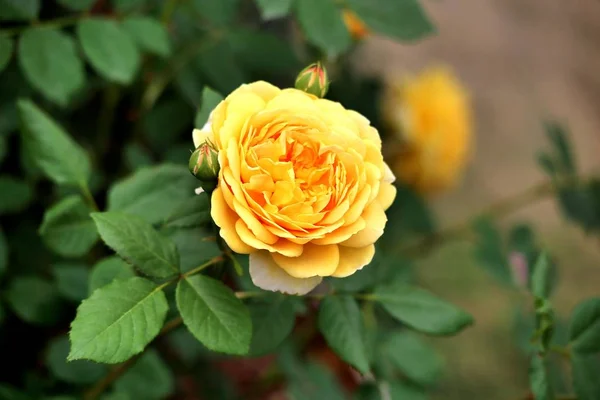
(225,219)
(386,195)
(267,275)
(314,261)
(352,259)
(376,219)
(388,175)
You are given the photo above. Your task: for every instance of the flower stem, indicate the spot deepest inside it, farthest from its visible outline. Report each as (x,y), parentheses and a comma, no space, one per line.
(202,267)
(85,191)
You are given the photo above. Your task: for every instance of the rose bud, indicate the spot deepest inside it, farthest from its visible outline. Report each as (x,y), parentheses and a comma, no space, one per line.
(204,163)
(314,80)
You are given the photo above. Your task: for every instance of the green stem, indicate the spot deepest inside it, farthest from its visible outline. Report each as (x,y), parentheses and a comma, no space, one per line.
(202,267)
(85,190)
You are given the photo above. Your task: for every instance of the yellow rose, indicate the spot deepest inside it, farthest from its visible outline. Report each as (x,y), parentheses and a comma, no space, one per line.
(431,114)
(355,26)
(302,186)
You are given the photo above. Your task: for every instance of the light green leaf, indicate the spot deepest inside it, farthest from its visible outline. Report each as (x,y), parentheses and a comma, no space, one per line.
(51,148)
(3,253)
(273,9)
(67,228)
(584,331)
(194,246)
(210,99)
(118,321)
(342,326)
(538,379)
(153,193)
(16,195)
(19,10)
(219,12)
(322,23)
(214,315)
(414,358)
(585,376)
(399,19)
(6,50)
(149,378)
(421,310)
(541,278)
(272,322)
(49,60)
(8,392)
(34,300)
(78,372)
(108,270)
(136,241)
(77,5)
(191,213)
(72,280)
(149,34)
(110,50)
(127,5)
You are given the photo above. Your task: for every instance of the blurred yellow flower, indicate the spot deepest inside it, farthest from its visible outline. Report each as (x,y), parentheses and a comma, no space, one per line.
(355,26)
(431,114)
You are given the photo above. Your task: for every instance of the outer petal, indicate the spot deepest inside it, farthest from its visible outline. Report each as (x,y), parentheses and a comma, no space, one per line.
(314,261)
(282,246)
(388,175)
(376,219)
(386,195)
(266,274)
(225,218)
(352,259)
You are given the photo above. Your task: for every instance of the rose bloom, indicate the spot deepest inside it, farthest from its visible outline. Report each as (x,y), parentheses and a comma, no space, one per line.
(431,115)
(302,186)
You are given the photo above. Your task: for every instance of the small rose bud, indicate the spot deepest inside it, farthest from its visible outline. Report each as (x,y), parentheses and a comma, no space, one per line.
(204,163)
(314,80)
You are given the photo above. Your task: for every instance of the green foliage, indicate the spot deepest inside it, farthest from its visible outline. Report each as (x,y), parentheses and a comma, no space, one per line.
(273,9)
(107,270)
(584,331)
(150,378)
(210,99)
(322,23)
(72,281)
(313,380)
(539,380)
(19,9)
(192,213)
(6,50)
(585,376)
(34,300)
(118,321)
(3,252)
(272,322)
(490,251)
(17,194)
(149,35)
(414,358)
(76,5)
(78,372)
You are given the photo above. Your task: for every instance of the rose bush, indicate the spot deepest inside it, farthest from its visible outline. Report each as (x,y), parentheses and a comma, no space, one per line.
(302,187)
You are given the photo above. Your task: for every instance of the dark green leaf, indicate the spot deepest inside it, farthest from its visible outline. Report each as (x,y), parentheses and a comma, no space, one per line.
(118,321)
(421,310)
(560,141)
(128,5)
(538,379)
(51,148)
(191,213)
(16,195)
(72,280)
(399,19)
(229,75)
(273,9)
(8,392)
(490,251)
(585,376)
(195,247)
(77,5)
(315,381)
(153,193)
(541,277)
(3,253)
(342,326)
(149,34)
(6,50)
(21,10)
(214,315)
(547,163)
(137,157)
(49,60)
(218,12)
(322,23)
(117,396)
(416,359)
(110,50)
(136,241)
(149,378)
(579,205)
(78,372)
(584,332)
(409,214)
(107,270)
(402,391)
(272,322)
(166,122)
(34,300)
(188,348)
(68,229)
(210,99)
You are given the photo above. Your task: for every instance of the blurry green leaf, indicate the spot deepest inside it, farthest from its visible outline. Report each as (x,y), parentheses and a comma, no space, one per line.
(409,214)
(110,50)
(538,379)
(272,322)
(541,277)
(544,324)
(190,83)
(117,396)
(584,331)
(6,50)
(263,52)
(421,310)
(3,253)
(547,163)
(72,280)
(585,376)
(188,348)
(21,10)
(34,300)
(107,270)
(68,229)
(399,19)
(521,238)
(3,148)
(118,321)
(136,241)
(560,142)
(136,156)
(195,247)
(77,372)
(322,23)
(315,381)
(149,378)
(490,252)
(153,193)
(213,314)
(50,62)
(149,34)
(218,12)
(16,195)
(402,391)
(579,205)
(179,153)
(51,148)
(9,116)
(77,5)
(127,5)
(416,359)
(367,391)
(191,213)
(210,99)
(342,326)
(229,76)
(8,392)
(166,122)
(273,9)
